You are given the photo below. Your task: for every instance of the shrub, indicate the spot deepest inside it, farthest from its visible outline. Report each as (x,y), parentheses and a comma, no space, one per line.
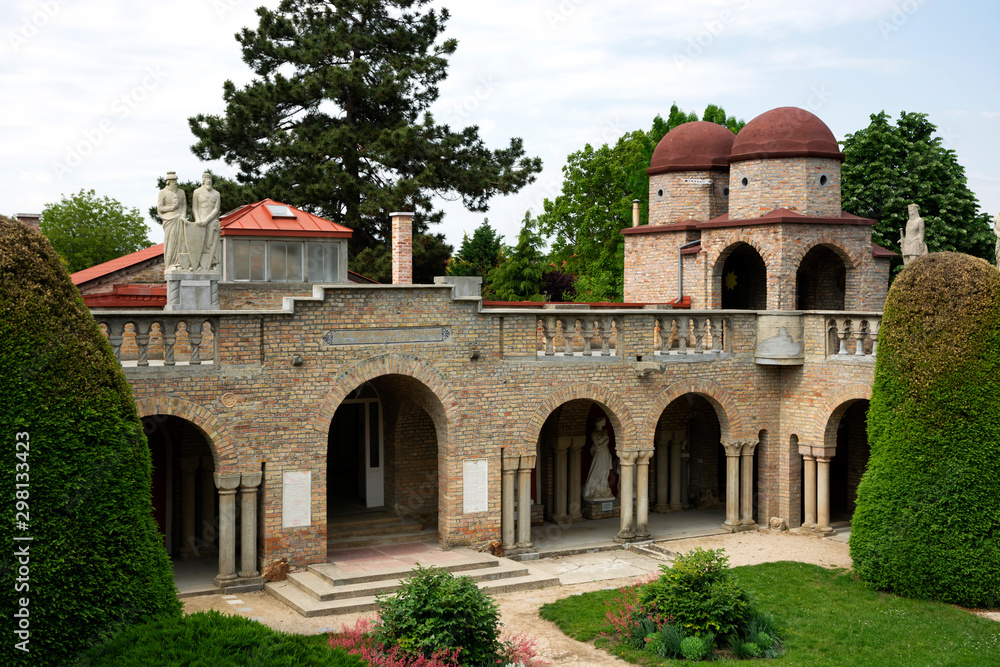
(210,638)
(434,611)
(671,636)
(96,560)
(927,523)
(699,593)
(693,648)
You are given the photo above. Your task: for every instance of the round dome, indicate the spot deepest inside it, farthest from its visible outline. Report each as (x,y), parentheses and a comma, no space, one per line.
(692,146)
(785,132)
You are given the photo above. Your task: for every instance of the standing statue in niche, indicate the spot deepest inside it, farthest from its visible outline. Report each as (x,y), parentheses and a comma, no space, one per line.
(597,487)
(171,206)
(204,234)
(912,244)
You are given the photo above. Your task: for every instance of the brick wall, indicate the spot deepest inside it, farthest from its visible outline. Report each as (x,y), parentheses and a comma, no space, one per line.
(671,199)
(757,187)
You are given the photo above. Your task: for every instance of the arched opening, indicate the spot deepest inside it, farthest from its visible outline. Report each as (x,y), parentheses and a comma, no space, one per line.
(744,279)
(382,464)
(690,428)
(821,280)
(185,502)
(850,461)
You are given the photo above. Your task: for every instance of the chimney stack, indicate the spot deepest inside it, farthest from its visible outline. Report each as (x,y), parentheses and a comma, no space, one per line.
(402,248)
(635,212)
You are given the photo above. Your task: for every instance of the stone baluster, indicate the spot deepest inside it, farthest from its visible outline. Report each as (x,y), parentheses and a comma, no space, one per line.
(587,330)
(569,331)
(626,491)
(561,447)
(526,465)
(208,530)
(642,494)
(873,326)
(682,334)
(733,450)
(575,507)
(189,465)
(859,338)
(662,472)
(746,483)
(168,327)
(657,336)
(510,464)
(227,483)
(699,334)
(116,334)
(194,339)
(843,331)
(550,334)
(605,336)
(249,481)
(142,342)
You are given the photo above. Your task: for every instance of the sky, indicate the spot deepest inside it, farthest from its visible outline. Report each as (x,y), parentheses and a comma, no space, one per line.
(96,93)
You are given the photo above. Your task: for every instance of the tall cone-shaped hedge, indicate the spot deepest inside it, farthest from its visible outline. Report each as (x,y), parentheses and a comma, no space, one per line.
(927,522)
(75,456)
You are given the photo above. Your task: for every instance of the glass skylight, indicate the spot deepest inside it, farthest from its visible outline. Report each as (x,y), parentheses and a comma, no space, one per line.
(280,211)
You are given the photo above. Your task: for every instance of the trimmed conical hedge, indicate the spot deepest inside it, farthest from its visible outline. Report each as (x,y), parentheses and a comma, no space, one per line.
(927,523)
(70,435)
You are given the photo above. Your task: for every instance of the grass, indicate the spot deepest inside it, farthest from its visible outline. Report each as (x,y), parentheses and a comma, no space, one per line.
(827,618)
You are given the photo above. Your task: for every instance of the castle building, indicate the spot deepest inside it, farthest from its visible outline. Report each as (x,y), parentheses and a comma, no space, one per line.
(735,377)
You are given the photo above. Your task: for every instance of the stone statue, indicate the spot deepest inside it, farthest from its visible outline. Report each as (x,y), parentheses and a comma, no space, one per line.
(596,486)
(996,230)
(912,244)
(204,232)
(171,206)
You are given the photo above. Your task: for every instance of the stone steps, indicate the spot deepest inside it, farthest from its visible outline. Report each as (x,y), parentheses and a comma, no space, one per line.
(653,550)
(393,536)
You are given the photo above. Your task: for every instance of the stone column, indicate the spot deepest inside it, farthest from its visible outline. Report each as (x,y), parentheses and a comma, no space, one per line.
(732,485)
(227,483)
(575,496)
(249,481)
(208,529)
(675,474)
(746,484)
(809,492)
(561,447)
(823,495)
(189,464)
(627,462)
(527,464)
(509,464)
(642,495)
(662,472)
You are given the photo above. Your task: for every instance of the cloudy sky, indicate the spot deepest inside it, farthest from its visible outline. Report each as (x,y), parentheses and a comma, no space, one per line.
(96,93)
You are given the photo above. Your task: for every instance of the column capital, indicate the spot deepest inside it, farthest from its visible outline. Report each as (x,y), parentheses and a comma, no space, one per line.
(628,458)
(227,482)
(823,459)
(527,462)
(562,443)
(733,447)
(644,455)
(579,442)
(748,447)
(510,462)
(250,480)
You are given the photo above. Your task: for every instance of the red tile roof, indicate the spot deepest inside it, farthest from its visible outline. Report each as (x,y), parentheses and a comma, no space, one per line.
(257,220)
(123,262)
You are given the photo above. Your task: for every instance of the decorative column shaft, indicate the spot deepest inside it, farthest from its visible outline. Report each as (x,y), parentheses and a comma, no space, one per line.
(575,503)
(527,464)
(732,485)
(510,464)
(227,483)
(208,529)
(642,495)
(627,462)
(189,464)
(662,473)
(561,447)
(809,492)
(675,474)
(248,540)
(823,495)
(746,484)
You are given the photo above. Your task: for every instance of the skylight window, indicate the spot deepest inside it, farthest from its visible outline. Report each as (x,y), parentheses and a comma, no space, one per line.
(280,211)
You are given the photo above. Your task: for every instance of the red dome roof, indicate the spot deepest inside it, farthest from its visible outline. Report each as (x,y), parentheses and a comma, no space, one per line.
(692,146)
(785,132)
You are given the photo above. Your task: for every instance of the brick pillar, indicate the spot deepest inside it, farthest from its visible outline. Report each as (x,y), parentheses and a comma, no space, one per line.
(402,248)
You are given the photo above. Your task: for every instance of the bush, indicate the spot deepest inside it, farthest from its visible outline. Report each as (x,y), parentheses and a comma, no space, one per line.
(696,648)
(96,561)
(698,593)
(210,638)
(434,611)
(927,523)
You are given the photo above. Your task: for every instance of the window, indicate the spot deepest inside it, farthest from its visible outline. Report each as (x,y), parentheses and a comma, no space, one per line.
(322,262)
(248,260)
(284,261)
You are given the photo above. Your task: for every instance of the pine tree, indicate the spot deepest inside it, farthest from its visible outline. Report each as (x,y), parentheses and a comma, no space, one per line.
(336,119)
(478,254)
(520,277)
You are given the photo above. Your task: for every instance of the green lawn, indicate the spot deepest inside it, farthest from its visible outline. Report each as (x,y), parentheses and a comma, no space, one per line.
(826,618)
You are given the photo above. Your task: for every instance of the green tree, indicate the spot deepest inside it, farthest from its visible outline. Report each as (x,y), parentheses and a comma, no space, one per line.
(87,230)
(520,277)
(76,468)
(478,254)
(927,520)
(430,258)
(336,119)
(585,220)
(890,166)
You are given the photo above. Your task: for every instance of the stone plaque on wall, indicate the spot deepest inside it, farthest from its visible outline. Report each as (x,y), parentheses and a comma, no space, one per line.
(296,499)
(475,487)
(386,336)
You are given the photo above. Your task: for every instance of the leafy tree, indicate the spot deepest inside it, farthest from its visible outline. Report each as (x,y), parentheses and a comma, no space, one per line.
(336,120)
(585,220)
(430,258)
(927,521)
(478,254)
(890,166)
(87,230)
(520,277)
(73,443)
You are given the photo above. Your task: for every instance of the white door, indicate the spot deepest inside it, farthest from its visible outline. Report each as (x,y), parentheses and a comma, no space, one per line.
(374,460)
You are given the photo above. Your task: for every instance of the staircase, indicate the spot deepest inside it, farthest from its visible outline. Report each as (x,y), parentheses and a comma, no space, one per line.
(341,588)
(653,550)
(368,529)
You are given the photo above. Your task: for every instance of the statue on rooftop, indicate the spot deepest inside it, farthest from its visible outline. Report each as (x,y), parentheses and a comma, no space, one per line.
(597,486)
(204,233)
(912,243)
(171,206)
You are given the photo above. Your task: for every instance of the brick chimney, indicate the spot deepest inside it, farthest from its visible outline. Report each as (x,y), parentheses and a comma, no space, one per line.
(30,219)
(402,248)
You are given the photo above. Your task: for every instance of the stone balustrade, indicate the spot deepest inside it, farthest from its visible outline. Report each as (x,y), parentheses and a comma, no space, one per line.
(586,335)
(706,333)
(852,336)
(140,339)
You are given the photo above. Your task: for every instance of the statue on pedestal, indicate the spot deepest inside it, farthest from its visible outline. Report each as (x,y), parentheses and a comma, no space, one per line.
(171,206)
(597,486)
(204,232)
(912,244)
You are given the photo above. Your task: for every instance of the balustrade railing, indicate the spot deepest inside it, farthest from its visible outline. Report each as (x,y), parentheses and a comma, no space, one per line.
(691,333)
(164,341)
(578,335)
(852,335)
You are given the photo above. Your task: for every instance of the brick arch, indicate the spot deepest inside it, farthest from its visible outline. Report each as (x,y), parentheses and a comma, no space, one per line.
(730,421)
(765,253)
(827,415)
(851,259)
(391,364)
(220,441)
(618,414)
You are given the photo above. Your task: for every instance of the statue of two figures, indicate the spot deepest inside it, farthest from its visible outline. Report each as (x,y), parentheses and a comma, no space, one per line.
(191,246)
(597,486)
